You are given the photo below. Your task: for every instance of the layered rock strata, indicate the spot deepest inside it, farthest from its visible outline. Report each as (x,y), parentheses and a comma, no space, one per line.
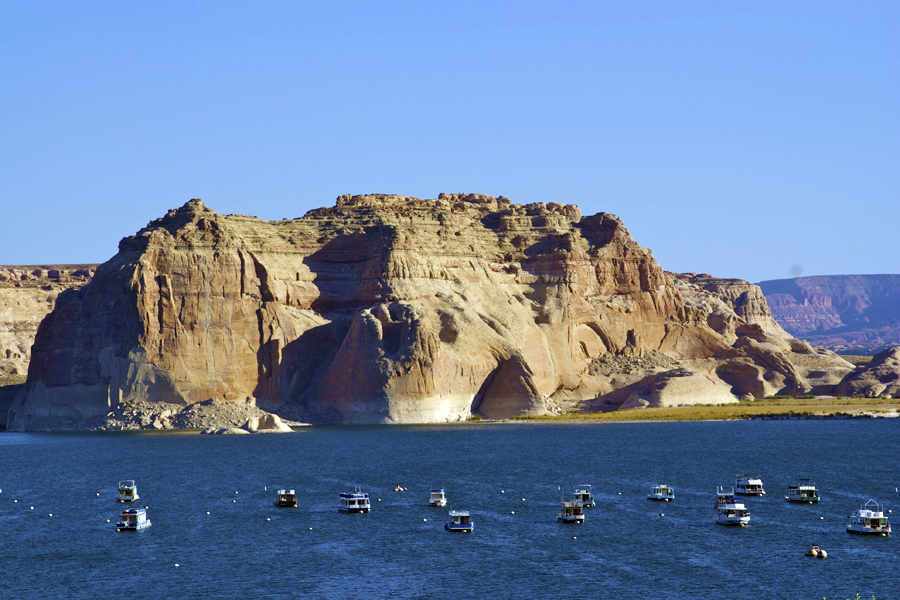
(389,309)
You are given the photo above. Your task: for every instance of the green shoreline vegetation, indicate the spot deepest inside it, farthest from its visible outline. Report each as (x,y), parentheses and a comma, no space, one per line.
(802,407)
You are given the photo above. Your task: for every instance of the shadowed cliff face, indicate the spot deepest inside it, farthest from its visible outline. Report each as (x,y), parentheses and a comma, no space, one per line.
(390,309)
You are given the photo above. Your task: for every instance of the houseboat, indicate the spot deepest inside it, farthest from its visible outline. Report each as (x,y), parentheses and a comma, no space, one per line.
(749,484)
(583,495)
(460,521)
(127,491)
(133,519)
(438,498)
(729,511)
(869,520)
(571,512)
(803,491)
(354,502)
(285,498)
(661,492)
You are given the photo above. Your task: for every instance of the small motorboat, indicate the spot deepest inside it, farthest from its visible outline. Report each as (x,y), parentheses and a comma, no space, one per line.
(285,498)
(460,521)
(869,520)
(661,492)
(438,498)
(133,519)
(354,502)
(817,552)
(749,484)
(729,511)
(583,495)
(803,491)
(571,511)
(127,491)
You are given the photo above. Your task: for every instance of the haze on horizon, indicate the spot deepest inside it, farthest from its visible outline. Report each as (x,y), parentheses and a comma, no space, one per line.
(751,140)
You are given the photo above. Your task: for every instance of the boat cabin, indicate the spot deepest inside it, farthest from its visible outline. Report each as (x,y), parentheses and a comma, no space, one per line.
(803,491)
(133,519)
(285,498)
(869,520)
(460,521)
(583,495)
(438,498)
(127,491)
(749,484)
(354,502)
(571,512)
(730,510)
(661,492)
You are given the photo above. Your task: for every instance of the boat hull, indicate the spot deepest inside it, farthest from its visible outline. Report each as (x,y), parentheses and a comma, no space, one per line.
(129,527)
(881,532)
(353,510)
(459,528)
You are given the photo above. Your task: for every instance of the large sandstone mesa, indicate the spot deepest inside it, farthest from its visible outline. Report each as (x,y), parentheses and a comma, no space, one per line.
(388,309)
(851,314)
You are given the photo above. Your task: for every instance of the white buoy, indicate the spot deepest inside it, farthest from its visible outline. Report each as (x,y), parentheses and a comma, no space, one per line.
(207,512)
(177,565)
(107,520)
(662,514)
(98,493)
(423,520)
(379,499)
(234,500)
(523,499)
(502,491)
(235,492)
(50,515)
(620,493)
(821,518)
(310,528)
(32,508)
(512,512)
(268,519)
(575,537)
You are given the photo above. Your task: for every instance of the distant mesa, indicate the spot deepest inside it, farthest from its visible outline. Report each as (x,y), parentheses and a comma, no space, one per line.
(850,314)
(392,309)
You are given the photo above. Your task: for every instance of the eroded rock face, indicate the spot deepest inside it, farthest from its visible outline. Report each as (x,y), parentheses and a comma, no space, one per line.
(388,309)
(27,295)
(878,379)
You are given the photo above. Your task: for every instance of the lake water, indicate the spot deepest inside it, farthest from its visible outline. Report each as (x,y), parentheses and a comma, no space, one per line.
(246,547)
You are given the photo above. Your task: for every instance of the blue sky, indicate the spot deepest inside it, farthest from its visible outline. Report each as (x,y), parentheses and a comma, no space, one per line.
(756,140)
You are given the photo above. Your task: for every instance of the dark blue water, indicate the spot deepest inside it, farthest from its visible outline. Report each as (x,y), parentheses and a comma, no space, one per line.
(624,550)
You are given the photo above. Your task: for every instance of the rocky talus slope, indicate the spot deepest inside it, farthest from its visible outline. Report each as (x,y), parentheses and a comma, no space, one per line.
(389,309)
(850,314)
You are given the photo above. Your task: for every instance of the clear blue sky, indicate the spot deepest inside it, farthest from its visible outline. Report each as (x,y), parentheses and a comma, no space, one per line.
(746,139)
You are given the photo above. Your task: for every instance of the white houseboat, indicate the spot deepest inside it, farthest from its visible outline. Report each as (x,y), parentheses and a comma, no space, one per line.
(583,495)
(285,498)
(730,511)
(133,519)
(803,491)
(354,502)
(663,493)
(438,498)
(127,491)
(869,520)
(571,512)
(749,484)
(460,521)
